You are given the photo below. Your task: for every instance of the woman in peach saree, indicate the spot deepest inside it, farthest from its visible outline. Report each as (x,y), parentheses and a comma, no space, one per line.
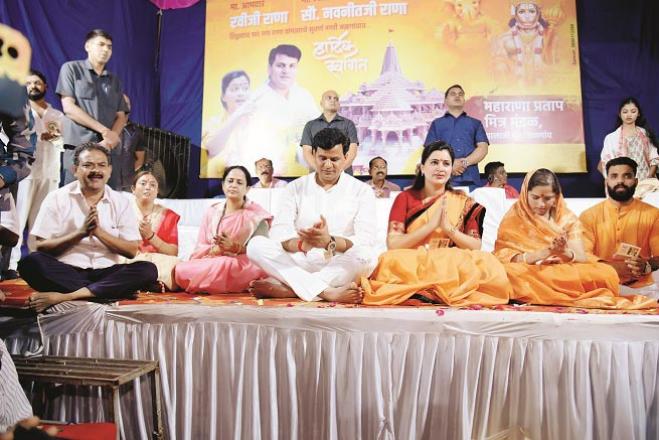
(433,240)
(539,242)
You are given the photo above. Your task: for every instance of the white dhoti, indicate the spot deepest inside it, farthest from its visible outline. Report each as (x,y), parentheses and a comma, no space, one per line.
(31,193)
(651,291)
(310,274)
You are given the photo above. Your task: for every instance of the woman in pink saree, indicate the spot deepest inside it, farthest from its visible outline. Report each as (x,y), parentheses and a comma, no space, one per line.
(219,263)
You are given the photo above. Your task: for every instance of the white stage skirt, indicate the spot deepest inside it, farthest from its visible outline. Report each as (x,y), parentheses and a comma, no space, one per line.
(243,372)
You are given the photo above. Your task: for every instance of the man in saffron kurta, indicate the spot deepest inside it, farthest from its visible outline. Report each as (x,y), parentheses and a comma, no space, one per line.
(623,219)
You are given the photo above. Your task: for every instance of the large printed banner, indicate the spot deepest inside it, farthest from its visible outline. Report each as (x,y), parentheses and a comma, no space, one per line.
(390,62)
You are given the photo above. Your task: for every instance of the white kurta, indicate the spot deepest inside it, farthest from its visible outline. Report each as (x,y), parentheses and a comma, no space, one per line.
(43,179)
(348,208)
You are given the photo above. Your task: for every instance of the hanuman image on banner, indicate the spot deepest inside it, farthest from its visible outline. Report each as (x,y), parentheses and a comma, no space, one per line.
(525,50)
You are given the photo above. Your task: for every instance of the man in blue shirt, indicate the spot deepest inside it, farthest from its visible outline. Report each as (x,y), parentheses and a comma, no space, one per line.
(464,133)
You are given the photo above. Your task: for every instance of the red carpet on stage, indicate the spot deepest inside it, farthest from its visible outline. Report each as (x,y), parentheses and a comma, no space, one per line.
(85,431)
(233,366)
(17,293)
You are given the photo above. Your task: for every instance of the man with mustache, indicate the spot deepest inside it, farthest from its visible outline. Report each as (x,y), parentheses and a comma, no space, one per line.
(622,219)
(82,231)
(377,168)
(264,170)
(92,99)
(45,174)
(323,233)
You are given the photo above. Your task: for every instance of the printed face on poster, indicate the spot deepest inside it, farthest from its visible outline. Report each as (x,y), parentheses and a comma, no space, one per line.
(390,63)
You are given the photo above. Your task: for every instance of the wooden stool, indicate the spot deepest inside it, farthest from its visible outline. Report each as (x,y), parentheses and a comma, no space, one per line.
(104,373)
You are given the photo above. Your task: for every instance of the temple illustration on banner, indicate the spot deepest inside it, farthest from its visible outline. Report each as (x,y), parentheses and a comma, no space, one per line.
(392,115)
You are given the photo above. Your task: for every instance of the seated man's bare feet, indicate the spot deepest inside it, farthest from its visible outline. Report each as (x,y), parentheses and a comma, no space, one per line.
(348,294)
(269,288)
(40,301)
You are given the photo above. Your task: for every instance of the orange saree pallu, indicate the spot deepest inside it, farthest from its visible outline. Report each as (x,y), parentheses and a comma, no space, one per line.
(447,275)
(590,284)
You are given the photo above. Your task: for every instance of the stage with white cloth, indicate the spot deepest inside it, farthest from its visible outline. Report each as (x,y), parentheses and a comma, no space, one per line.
(299,370)
(237,368)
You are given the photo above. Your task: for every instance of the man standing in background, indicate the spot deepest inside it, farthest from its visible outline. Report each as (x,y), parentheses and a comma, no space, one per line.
(92,98)
(465,134)
(45,174)
(330,118)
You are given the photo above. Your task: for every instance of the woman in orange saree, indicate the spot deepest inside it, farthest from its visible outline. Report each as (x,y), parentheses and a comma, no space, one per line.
(539,242)
(434,234)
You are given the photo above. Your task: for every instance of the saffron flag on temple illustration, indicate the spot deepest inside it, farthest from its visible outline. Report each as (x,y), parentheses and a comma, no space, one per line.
(390,62)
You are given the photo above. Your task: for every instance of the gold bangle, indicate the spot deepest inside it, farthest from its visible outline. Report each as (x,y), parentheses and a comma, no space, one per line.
(524,258)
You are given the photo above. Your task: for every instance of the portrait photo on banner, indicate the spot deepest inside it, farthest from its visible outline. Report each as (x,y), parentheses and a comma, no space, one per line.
(268,62)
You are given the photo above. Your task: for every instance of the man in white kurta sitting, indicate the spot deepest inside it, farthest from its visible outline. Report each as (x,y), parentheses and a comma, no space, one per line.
(82,230)
(323,234)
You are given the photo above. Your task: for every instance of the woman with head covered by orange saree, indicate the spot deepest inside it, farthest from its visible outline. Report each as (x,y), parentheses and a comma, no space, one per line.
(433,240)
(539,242)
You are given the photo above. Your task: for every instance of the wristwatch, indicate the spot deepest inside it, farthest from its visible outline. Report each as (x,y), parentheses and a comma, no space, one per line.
(648,268)
(331,247)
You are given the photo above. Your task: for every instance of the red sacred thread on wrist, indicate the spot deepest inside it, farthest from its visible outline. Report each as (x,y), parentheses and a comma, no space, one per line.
(299,246)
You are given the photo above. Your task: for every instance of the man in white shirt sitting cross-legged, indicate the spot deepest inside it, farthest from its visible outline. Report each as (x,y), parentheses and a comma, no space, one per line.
(83,229)
(323,234)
